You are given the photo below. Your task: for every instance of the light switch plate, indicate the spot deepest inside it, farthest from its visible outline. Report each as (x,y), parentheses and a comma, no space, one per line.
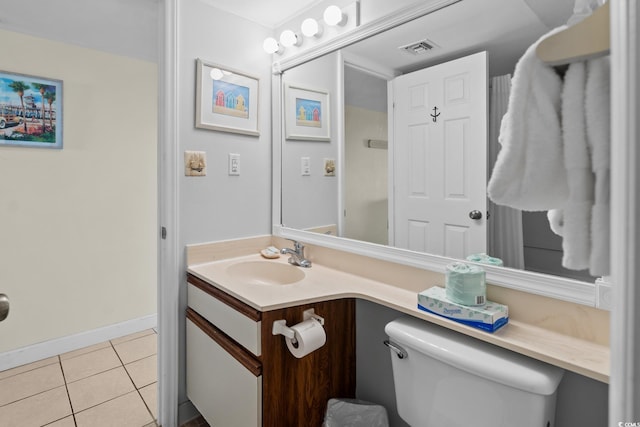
(234,164)
(305,166)
(195,163)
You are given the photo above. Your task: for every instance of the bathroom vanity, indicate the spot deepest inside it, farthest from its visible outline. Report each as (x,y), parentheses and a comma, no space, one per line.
(240,374)
(234,296)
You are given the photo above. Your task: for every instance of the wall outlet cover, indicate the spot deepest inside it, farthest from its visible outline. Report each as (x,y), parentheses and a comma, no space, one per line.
(234,164)
(195,163)
(305,166)
(329,167)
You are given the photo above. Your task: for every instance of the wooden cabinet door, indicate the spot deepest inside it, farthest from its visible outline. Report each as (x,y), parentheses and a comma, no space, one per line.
(296,391)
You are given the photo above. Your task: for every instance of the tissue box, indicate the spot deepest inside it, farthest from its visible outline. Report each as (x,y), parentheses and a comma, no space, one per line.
(490,317)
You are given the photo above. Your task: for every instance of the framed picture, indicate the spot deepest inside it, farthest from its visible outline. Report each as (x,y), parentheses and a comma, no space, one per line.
(306,114)
(226,99)
(30,111)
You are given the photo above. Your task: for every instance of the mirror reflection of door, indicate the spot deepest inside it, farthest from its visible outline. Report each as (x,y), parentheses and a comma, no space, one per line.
(439,169)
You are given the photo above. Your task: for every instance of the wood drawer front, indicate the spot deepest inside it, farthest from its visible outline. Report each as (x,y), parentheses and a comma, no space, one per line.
(238,326)
(224,391)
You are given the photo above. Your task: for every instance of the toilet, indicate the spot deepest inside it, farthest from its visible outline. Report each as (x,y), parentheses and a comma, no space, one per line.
(447,379)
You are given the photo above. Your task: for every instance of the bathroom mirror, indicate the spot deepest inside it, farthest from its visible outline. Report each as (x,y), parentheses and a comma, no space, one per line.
(355,72)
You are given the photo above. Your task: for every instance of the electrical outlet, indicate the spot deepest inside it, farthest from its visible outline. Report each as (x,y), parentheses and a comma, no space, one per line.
(305,165)
(234,164)
(195,163)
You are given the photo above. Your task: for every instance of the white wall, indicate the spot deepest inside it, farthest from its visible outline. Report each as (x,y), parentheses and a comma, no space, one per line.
(78,225)
(312,201)
(219,206)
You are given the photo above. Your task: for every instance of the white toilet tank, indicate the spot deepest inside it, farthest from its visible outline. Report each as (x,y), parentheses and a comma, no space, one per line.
(449,379)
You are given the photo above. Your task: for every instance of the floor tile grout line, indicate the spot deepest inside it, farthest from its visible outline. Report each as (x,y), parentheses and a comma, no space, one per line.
(33,395)
(66,387)
(40,392)
(134,383)
(28,370)
(102,403)
(146,406)
(93,375)
(59,361)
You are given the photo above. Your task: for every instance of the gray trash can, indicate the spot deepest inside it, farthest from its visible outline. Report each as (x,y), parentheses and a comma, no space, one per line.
(354,413)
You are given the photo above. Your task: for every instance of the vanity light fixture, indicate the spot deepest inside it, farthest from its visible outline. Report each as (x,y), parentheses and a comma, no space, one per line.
(333,16)
(288,38)
(216,73)
(311,28)
(271,45)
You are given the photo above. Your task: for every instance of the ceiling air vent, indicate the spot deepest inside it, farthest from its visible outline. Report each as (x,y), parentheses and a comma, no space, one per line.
(419,47)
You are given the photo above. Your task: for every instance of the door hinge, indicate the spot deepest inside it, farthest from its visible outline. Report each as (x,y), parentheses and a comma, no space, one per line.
(163,233)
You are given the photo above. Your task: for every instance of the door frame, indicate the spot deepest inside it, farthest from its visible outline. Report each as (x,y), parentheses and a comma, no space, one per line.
(347,59)
(624,384)
(624,389)
(168,246)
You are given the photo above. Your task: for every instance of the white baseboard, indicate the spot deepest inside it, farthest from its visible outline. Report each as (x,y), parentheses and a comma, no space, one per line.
(43,350)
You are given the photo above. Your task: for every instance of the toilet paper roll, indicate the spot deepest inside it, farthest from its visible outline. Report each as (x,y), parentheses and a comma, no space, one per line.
(309,336)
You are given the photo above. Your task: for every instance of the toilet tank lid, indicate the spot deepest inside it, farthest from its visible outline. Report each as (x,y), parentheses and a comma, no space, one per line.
(476,357)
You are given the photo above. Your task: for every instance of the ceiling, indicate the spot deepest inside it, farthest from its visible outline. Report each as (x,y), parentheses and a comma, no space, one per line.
(268,13)
(503,28)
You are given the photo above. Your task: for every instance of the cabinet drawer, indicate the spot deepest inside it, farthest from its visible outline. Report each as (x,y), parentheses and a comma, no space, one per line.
(225,391)
(244,330)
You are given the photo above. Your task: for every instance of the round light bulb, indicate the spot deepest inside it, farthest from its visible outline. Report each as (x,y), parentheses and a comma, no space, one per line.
(333,16)
(216,73)
(288,38)
(270,45)
(310,27)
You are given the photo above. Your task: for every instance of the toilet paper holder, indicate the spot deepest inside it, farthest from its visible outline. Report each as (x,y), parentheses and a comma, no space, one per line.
(280,326)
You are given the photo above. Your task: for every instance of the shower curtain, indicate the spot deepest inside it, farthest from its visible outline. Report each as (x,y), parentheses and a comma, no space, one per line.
(504,226)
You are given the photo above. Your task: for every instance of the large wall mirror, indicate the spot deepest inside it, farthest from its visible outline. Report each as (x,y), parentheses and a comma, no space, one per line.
(341,189)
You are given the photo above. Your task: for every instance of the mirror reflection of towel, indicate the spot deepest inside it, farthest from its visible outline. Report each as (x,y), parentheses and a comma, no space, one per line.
(576,213)
(529,173)
(598,115)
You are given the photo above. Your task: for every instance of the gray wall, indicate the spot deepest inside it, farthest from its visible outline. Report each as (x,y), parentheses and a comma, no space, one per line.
(581,401)
(219,206)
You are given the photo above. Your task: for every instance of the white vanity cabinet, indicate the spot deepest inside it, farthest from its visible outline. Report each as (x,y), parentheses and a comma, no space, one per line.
(224,374)
(236,366)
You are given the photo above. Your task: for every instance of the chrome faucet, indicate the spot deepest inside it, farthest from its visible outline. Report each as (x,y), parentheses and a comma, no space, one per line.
(297,255)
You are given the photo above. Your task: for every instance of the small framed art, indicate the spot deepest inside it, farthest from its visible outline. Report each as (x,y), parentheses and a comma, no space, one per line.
(30,111)
(306,114)
(226,99)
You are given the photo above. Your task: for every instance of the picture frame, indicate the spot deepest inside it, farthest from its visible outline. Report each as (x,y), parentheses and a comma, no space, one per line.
(307,114)
(30,111)
(226,99)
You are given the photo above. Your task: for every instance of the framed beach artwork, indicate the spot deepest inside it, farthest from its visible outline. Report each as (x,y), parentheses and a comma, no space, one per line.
(30,111)
(306,114)
(226,99)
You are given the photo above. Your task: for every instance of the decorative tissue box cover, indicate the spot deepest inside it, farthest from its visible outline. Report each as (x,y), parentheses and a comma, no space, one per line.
(489,317)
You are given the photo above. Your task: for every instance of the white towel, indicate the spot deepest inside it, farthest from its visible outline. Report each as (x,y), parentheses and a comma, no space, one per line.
(597,109)
(576,213)
(529,173)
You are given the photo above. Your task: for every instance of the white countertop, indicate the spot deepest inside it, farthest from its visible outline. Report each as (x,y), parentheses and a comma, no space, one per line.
(321,284)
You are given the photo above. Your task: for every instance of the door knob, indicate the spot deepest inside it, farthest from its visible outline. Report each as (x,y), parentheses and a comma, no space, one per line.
(4,307)
(475,215)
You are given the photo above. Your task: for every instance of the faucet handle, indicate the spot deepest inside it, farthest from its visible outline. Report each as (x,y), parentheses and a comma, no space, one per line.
(297,246)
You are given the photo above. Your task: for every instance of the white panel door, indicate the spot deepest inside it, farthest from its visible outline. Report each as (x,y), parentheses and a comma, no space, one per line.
(440,137)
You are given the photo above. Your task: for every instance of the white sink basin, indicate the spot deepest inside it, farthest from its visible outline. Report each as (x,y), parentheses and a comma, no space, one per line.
(265,273)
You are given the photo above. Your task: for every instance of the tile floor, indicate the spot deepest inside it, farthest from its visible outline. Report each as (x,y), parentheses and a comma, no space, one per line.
(112,384)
